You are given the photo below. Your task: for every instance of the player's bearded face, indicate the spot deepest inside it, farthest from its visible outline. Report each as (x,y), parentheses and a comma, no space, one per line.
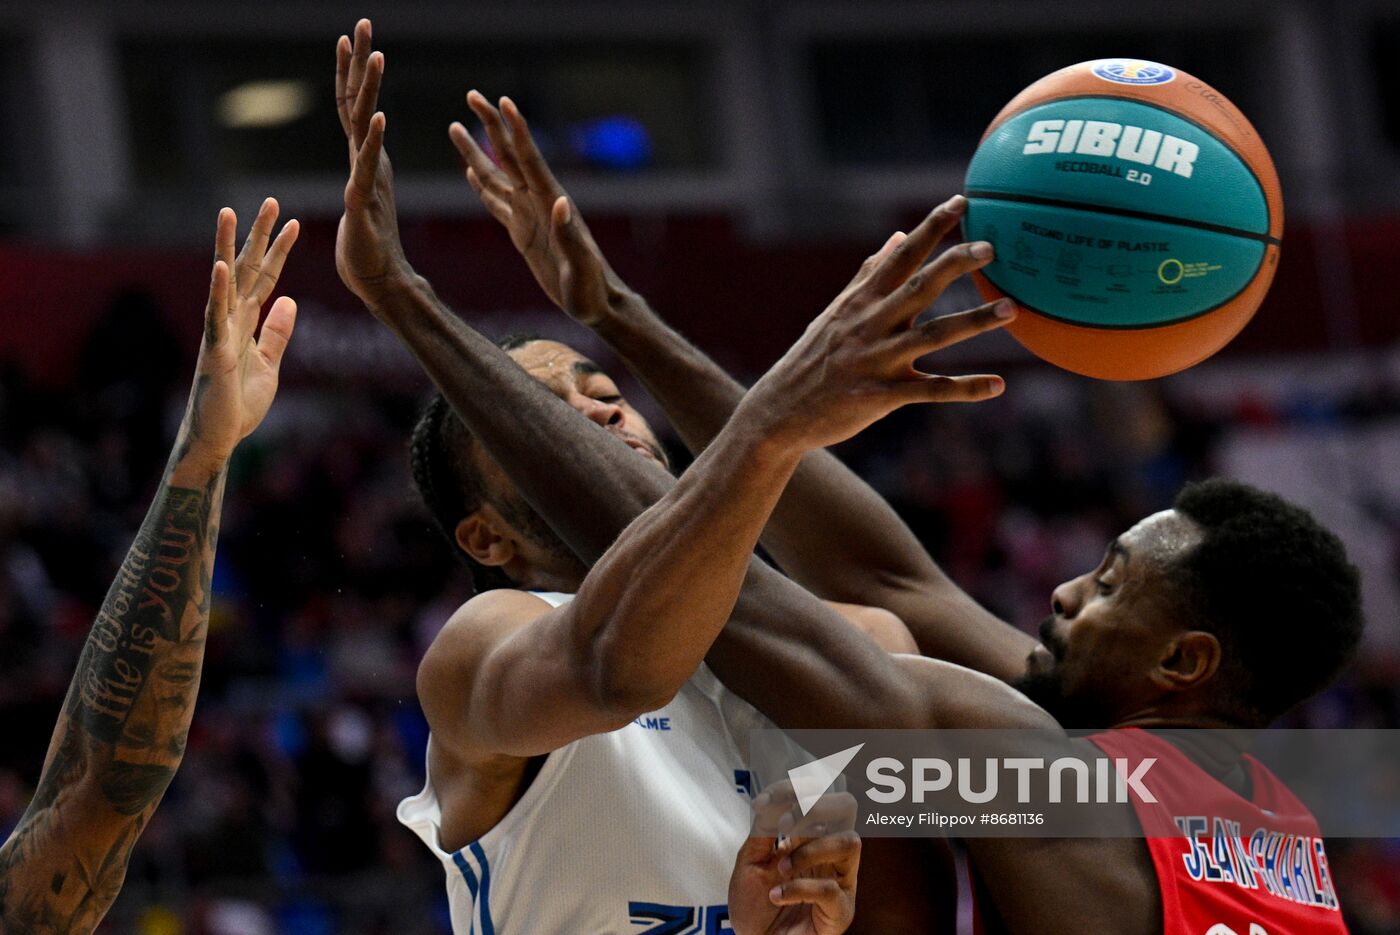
(1111,628)
(1050,680)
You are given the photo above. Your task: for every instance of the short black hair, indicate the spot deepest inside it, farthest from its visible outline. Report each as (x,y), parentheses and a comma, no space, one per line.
(1277,589)
(449,478)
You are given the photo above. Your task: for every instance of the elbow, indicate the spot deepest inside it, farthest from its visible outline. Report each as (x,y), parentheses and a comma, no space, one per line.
(132,788)
(625,685)
(127,787)
(625,699)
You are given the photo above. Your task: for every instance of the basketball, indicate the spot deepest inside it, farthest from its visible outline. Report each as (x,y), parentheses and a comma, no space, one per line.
(1136,217)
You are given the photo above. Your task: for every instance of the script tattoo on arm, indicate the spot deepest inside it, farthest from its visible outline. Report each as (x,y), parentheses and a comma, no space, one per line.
(122,731)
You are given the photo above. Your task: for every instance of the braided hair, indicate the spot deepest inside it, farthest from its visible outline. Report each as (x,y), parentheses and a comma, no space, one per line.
(447,476)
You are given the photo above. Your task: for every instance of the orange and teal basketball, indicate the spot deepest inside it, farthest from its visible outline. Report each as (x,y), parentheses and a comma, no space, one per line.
(1136,217)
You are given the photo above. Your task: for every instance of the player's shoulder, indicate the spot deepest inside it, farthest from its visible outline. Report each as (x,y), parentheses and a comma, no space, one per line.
(499,606)
(469,634)
(487,618)
(460,655)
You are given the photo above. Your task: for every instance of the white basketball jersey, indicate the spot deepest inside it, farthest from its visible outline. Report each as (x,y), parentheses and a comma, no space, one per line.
(625,833)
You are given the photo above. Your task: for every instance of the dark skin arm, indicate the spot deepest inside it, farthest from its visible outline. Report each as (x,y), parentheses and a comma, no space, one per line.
(1114,882)
(1067,886)
(779,635)
(121,733)
(1115,886)
(611,659)
(516,419)
(831,531)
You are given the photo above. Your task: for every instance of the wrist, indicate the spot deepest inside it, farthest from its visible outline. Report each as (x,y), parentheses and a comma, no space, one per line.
(626,322)
(769,431)
(384,295)
(194,464)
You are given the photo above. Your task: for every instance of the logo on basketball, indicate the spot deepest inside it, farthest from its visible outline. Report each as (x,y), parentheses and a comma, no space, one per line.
(1129,71)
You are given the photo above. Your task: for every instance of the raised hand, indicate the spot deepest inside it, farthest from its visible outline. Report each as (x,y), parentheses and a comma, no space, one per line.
(545,226)
(796,874)
(236,376)
(368,254)
(123,728)
(855,362)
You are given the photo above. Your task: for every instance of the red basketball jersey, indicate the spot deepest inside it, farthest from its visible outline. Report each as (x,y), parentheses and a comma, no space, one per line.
(1227,865)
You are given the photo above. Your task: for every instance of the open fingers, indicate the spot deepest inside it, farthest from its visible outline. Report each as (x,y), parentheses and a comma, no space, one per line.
(929,282)
(910,254)
(362,174)
(342,82)
(250,257)
(216,310)
(932,388)
(874,260)
(224,241)
(271,268)
(492,198)
(528,157)
(360,48)
(499,135)
(572,237)
(878,257)
(224,236)
(277,331)
(367,98)
(476,162)
(473,156)
(945,330)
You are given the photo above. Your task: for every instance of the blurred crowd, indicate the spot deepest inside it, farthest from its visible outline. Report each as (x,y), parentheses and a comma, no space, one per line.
(330,582)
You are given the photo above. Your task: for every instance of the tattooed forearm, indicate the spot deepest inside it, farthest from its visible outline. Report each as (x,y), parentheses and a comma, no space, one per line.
(193,428)
(144,611)
(123,728)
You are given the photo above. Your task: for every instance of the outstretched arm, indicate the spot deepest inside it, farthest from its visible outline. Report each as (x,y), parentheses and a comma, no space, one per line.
(606,659)
(831,531)
(553,455)
(121,733)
